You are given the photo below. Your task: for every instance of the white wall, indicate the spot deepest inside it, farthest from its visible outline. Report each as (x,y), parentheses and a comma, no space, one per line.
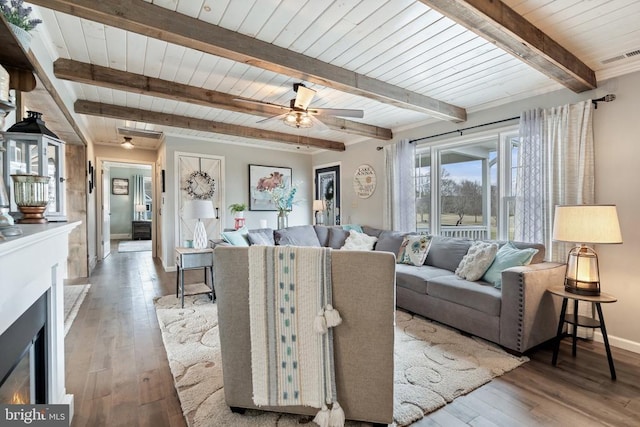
(236,186)
(616,130)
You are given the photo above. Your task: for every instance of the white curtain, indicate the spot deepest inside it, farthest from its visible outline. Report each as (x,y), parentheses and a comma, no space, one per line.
(555,167)
(138,195)
(400,195)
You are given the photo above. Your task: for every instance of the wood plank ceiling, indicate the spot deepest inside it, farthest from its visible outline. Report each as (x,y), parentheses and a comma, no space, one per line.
(400,61)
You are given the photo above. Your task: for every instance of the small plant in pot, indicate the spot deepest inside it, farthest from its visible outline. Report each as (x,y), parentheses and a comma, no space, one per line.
(238,209)
(18,18)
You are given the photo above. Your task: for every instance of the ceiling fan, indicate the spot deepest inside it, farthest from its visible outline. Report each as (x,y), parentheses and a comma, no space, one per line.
(299,114)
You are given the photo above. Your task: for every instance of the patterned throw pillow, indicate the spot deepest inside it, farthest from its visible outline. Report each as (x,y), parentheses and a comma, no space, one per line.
(414,249)
(359,242)
(477,260)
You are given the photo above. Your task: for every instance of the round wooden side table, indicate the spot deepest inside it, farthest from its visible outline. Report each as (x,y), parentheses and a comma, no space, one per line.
(584,321)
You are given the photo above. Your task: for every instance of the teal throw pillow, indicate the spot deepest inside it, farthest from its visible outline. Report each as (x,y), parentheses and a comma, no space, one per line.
(349,227)
(236,238)
(508,256)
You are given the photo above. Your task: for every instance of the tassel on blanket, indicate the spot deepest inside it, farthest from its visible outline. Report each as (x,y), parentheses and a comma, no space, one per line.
(320,323)
(332,316)
(322,417)
(336,417)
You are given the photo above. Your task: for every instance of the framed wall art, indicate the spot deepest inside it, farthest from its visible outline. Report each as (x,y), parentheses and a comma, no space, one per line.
(263,178)
(120,186)
(328,189)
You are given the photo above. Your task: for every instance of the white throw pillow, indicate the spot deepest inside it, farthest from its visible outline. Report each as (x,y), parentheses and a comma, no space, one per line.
(477,260)
(359,242)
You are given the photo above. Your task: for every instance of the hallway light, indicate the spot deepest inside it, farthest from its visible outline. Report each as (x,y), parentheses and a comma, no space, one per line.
(127,144)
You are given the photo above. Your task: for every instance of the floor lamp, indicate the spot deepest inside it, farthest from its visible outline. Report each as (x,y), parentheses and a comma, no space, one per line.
(199,209)
(582,224)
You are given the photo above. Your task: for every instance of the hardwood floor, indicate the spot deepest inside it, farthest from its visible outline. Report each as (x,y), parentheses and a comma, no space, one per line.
(118,371)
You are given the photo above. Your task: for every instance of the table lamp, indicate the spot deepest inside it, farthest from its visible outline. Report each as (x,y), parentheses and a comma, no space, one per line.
(140,209)
(595,224)
(318,207)
(199,209)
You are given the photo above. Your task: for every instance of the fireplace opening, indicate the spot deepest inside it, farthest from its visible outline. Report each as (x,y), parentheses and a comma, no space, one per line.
(23,371)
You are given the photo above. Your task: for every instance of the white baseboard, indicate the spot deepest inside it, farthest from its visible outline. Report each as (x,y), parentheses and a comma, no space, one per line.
(622,343)
(93,261)
(121,237)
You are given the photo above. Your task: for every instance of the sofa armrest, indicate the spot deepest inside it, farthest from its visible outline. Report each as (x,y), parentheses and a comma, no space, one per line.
(528,313)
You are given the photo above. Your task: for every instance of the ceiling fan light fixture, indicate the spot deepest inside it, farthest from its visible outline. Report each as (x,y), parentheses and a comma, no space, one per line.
(127,144)
(298,120)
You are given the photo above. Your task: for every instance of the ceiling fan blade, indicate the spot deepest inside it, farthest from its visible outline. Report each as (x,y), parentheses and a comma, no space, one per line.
(273,118)
(337,112)
(304,95)
(251,101)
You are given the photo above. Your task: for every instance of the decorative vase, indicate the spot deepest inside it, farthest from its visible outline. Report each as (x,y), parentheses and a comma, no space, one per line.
(31,193)
(283,219)
(23,36)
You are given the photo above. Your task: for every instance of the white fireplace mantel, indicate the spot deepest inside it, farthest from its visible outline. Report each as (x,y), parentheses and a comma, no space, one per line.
(30,266)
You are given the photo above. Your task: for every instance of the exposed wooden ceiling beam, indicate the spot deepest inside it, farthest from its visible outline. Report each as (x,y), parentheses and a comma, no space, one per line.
(160,23)
(499,24)
(115,79)
(127,113)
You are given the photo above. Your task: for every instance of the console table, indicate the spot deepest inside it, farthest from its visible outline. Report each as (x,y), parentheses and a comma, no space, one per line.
(584,321)
(140,230)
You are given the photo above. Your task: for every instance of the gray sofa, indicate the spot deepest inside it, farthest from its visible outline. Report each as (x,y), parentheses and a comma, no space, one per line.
(518,317)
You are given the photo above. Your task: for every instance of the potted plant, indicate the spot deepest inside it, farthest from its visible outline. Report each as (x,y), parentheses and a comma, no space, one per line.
(18,18)
(238,209)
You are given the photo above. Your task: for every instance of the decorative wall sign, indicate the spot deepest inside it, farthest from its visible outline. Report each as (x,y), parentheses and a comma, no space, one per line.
(364,181)
(200,186)
(120,186)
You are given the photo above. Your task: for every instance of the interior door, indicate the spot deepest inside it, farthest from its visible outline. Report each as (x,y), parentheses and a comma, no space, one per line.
(214,167)
(106,212)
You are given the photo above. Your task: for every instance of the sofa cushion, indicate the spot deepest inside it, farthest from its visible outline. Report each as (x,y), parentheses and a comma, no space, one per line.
(477,260)
(447,252)
(508,256)
(477,295)
(299,235)
(348,227)
(322,232)
(416,278)
(371,231)
(359,242)
(538,257)
(236,238)
(414,249)
(337,237)
(261,237)
(390,241)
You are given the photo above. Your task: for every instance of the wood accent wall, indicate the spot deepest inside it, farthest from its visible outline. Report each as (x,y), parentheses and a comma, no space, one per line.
(76,199)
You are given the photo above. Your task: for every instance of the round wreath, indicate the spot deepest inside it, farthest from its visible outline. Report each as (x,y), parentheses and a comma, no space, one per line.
(193,182)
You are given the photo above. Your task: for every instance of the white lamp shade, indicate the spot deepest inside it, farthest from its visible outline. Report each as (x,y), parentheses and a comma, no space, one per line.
(586,224)
(141,208)
(318,205)
(196,209)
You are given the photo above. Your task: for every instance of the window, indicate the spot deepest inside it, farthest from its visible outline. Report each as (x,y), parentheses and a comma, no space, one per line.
(465,188)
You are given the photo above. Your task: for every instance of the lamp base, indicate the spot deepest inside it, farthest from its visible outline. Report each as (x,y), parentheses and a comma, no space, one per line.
(586,289)
(199,236)
(32,215)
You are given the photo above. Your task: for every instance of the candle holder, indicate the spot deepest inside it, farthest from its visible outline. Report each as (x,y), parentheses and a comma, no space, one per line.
(31,193)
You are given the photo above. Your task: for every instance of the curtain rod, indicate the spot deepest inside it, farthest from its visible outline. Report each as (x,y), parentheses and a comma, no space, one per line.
(607,98)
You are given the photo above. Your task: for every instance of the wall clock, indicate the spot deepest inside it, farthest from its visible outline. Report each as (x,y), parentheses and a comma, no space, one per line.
(200,185)
(364,181)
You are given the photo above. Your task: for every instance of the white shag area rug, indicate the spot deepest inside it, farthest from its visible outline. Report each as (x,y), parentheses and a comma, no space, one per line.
(433,365)
(134,246)
(73,297)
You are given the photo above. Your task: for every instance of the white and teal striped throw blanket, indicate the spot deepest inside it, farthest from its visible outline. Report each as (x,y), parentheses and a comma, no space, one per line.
(291,338)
